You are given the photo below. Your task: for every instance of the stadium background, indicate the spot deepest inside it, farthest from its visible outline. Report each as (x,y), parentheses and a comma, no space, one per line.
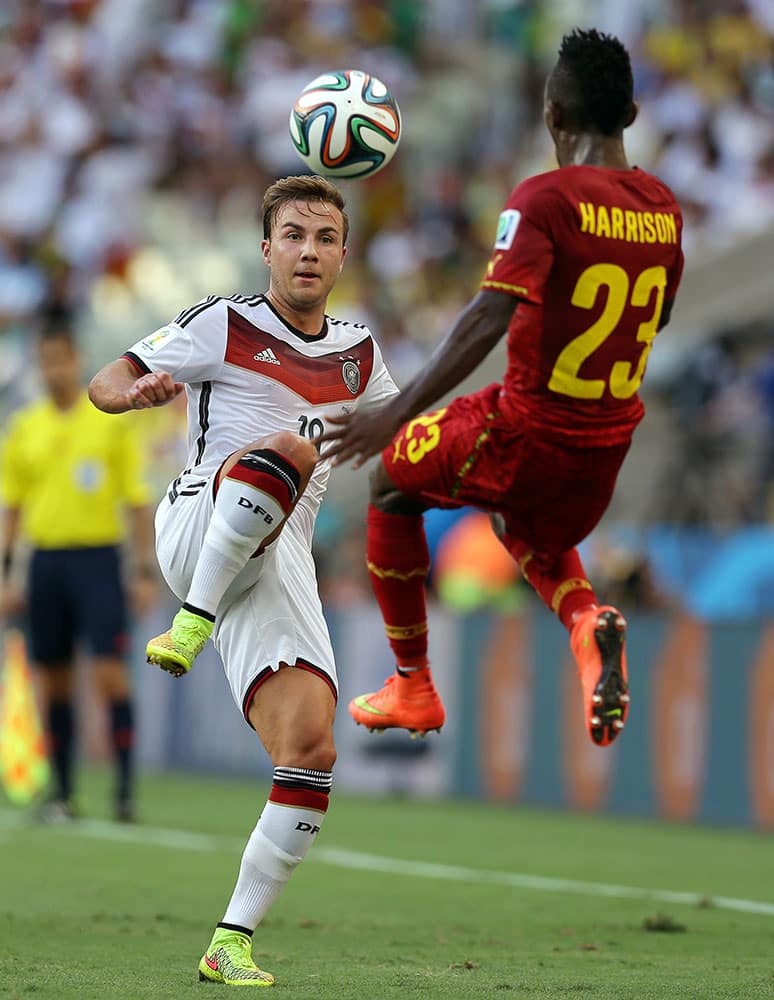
(135,139)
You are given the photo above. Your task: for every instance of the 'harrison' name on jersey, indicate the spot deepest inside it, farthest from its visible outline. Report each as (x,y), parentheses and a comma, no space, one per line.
(624,224)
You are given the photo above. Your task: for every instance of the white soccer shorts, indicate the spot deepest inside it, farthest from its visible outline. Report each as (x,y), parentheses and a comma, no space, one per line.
(270,614)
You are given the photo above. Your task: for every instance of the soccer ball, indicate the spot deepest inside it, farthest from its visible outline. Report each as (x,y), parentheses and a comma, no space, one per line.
(345,124)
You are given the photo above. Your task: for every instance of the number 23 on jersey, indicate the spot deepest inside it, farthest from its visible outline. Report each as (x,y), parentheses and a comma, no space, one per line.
(422,435)
(624,378)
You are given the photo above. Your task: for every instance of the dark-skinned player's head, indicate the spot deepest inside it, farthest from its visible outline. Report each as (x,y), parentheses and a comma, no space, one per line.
(590,89)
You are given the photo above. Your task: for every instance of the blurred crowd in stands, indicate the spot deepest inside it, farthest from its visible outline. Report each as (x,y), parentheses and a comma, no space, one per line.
(136,138)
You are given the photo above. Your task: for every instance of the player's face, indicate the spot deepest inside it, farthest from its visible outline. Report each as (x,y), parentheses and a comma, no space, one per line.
(59,366)
(305,253)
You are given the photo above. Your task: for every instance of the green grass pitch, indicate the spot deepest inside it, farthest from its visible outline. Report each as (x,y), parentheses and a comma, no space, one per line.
(95,911)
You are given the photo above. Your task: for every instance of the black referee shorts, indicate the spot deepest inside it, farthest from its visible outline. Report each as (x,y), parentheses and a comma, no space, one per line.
(76,595)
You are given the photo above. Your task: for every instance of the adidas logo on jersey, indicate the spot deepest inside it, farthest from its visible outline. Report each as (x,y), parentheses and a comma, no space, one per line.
(268,356)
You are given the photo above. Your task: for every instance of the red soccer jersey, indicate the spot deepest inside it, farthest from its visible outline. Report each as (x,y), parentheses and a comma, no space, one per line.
(592,254)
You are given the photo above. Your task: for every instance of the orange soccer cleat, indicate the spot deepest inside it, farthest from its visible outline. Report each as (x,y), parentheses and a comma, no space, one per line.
(598,641)
(409,702)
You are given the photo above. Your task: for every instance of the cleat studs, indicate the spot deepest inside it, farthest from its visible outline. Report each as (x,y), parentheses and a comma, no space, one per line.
(423,735)
(623,699)
(412,734)
(438,729)
(371,729)
(618,724)
(596,699)
(595,721)
(620,622)
(380,732)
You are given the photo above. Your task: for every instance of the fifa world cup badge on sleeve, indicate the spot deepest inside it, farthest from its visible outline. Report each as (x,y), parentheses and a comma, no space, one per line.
(158,338)
(507,225)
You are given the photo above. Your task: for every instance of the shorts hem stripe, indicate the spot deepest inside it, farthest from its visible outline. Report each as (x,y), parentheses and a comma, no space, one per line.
(250,694)
(306,665)
(268,671)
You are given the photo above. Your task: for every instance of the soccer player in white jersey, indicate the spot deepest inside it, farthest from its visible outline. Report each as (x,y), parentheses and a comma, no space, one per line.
(233,533)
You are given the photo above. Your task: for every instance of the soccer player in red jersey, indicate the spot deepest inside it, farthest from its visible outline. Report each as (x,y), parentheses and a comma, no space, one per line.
(583,274)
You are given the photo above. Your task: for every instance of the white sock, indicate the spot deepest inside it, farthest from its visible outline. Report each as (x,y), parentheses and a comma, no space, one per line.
(277,845)
(242,518)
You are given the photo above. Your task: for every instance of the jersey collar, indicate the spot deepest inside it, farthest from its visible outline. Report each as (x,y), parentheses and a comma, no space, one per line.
(308,337)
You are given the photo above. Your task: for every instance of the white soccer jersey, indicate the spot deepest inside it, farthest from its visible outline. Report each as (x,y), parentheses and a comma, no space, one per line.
(249,373)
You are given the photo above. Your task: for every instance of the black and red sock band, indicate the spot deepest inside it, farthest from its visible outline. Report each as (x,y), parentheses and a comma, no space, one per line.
(270,472)
(301,786)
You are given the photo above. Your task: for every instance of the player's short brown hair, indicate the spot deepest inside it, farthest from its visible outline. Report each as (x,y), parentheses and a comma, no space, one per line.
(304,187)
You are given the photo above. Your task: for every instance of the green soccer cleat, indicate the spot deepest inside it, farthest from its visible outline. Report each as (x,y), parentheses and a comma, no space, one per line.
(175,650)
(229,960)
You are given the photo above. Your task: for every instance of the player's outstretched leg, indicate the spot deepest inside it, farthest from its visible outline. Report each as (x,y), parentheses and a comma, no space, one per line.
(229,960)
(257,489)
(398,562)
(597,635)
(598,643)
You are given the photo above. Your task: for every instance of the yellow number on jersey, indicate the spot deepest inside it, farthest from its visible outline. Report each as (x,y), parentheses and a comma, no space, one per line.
(623,384)
(418,447)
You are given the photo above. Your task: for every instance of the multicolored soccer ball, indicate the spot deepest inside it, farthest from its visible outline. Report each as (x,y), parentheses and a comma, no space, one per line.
(345,124)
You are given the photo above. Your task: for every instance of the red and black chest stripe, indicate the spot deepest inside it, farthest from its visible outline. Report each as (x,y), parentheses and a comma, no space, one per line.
(327,378)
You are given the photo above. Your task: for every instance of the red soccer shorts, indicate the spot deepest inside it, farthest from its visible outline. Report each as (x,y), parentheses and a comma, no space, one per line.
(551,495)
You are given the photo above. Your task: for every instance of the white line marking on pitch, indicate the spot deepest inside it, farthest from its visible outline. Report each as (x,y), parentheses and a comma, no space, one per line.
(359,861)
(514,880)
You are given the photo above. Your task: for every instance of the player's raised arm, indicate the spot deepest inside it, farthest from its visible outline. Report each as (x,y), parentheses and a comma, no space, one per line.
(117,388)
(477,329)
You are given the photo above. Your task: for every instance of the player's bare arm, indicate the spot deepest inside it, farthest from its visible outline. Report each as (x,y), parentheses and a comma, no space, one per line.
(478,328)
(142,576)
(11,598)
(116,388)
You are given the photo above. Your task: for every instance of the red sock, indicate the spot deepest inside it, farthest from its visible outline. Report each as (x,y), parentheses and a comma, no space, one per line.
(398,562)
(561,582)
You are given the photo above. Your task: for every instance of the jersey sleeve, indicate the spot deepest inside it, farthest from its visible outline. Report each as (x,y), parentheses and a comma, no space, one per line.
(523,251)
(191,348)
(380,385)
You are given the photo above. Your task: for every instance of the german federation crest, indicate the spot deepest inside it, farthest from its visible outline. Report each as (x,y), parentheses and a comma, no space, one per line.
(351,375)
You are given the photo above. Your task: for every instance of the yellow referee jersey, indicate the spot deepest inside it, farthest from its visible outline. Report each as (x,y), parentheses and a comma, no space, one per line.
(71,473)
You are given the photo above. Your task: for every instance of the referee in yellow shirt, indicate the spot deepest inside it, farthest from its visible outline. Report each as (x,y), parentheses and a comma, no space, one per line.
(69,476)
